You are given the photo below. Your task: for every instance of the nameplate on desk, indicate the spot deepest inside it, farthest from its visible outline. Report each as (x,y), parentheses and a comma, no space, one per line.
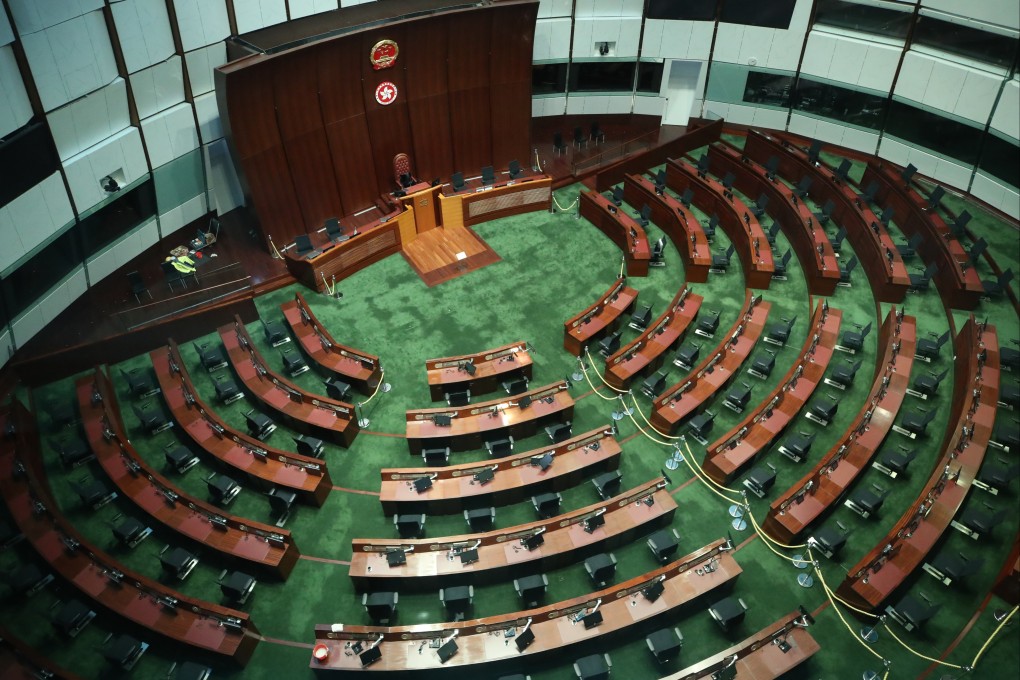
(313,254)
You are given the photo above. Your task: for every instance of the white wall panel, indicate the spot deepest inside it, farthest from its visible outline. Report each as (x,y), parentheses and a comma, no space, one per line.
(880,67)
(175,219)
(170,134)
(33,217)
(200,65)
(620,104)
(224,187)
(818,54)
(554,8)
(1006,118)
(201,22)
(49,306)
(15,109)
(208,115)
(756,45)
(848,60)
(143,29)
(158,87)
(588,33)
(770,118)
(649,106)
(122,153)
(727,43)
(304,8)
(954,88)
(552,39)
(860,140)
(31,16)
(608,8)
(350,3)
(952,173)
(999,12)
(944,86)
(252,15)
(70,59)
(914,76)
(120,253)
(677,39)
(803,125)
(741,115)
(89,120)
(977,96)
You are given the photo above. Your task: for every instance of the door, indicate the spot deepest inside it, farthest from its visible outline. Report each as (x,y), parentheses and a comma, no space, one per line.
(681,91)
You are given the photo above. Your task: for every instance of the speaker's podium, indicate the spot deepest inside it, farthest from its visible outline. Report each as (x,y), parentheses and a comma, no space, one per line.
(422,199)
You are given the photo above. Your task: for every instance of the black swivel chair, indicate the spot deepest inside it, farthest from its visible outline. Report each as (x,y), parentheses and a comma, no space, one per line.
(308,446)
(728,612)
(259,425)
(601,569)
(837,240)
(276,333)
(913,611)
(123,651)
(610,344)
(894,461)
(138,287)
(921,282)
(302,245)
(927,384)
(665,644)
(654,384)
(830,540)
(687,197)
(337,389)
(335,231)
(280,502)
(129,532)
(720,263)
(152,418)
(236,586)
(686,355)
(709,229)
(870,192)
(480,519)
(843,376)
(640,319)
(596,134)
(928,350)
(558,145)
(547,504)
(172,275)
(977,250)
(822,409)
(867,501)
(797,446)
(645,214)
(658,258)
(559,432)
(212,358)
(703,165)
(738,397)
(950,566)
(293,363)
(457,600)
(909,249)
(762,364)
(804,186)
(457,180)
(222,489)
(607,484)
(778,333)
(813,151)
(760,479)
(177,562)
(617,195)
(771,168)
(997,287)
(773,233)
(843,171)
(381,606)
(979,521)
(179,458)
(409,526)
(826,213)
(996,476)
(887,214)
(71,618)
(488,175)
(531,589)
(758,209)
(846,271)
(514,169)
(701,424)
(140,383)
(853,341)
(457,397)
(580,139)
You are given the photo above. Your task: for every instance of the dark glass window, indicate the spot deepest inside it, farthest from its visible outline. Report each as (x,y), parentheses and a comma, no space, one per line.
(33,278)
(934,132)
(863,18)
(999,158)
(602,76)
(691,10)
(839,103)
(649,77)
(118,217)
(27,157)
(548,78)
(965,41)
(768,88)
(769,13)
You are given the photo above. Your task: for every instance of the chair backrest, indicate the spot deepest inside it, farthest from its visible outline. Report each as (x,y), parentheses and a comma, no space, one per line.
(936,197)
(805,182)
(915,240)
(786,260)
(730,251)
(168,269)
(646,211)
(944,338)
(840,235)
(962,219)
(333,227)
(728,179)
(887,214)
(579,134)
(687,197)
(618,193)
(659,247)
(558,140)
(488,175)
(871,190)
(514,168)
(135,279)
(908,173)
(703,163)
(774,229)
(772,164)
(856,367)
(660,178)
(930,270)
(978,249)
(828,207)
(401,166)
(302,243)
(844,168)
(1004,278)
(713,221)
(866,330)
(851,265)
(816,148)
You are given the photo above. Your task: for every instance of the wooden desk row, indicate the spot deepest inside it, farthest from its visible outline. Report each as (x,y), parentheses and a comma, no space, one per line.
(600,319)
(250,545)
(645,353)
(501,555)
(759,657)
(670,215)
(819,491)
(330,262)
(807,237)
(486,641)
(730,455)
(687,397)
(316,415)
(876,252)
(621,228)
(503,199)
(18,661)
(195,625)
(362,370)
(735,218)
(454,487)
(471,426)
(871,582)
(262,464)
(958,287)
(491,368)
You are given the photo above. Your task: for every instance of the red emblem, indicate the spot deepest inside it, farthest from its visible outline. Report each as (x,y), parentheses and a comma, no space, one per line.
(384,54)
(386,93)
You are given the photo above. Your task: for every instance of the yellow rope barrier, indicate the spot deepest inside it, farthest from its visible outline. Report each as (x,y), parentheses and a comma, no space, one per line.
(569,207)
(382,378)
(593,388)
(601,377)
(1002,624)
(825,587)
(916,653)
(767,539)
(648,422)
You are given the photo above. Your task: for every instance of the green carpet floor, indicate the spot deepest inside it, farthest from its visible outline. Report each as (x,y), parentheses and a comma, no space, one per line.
(552,267)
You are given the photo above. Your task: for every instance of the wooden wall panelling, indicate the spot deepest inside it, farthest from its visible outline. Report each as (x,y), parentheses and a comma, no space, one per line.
(470,106)
(423,58)
(389,125)
(296,94)
(513,32)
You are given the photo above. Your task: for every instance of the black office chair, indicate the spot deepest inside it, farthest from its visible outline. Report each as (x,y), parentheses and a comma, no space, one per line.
(822,409)
(436,455)
(645,214)
(152,418)
(909,249)
(227,390)
(977,250)
(921,282)
(928,350)
(996,476)
(913,611)
(547,504)
(958,228)
(845,272)
(607,484)
(778,333)
(280,502)
(179,458)
(293,363)
(950,566)
(308,446)
(177,562)
(997,287)
(610,344)
(617,195)
(457,397)
(927,384)
(531,589)
(894,461)
(773,233)
(665,644)
(654,384)
(222,489)
(140,382)
(804,186)
(457,600)
(123,651)
(480,519)
(728,612)
(687,197)
(686,355)
(457,181)
(760,479)
(128,531)
(580,139)
(826,213)
(813,151)
(830,540)
(771,168)
(870,192)
(762,364)
(601,569)
(887,214)
(727,181)
(758,209)
(409,526)
(640,319)
(700,425)
(335,231)
(720,263)
(837,240)
(71,618)
(781,265)
(868,500)
(558,145)
(212,358)
(658,258)
(259,424)
(93,493)
(660,181)
(515,386)
(979,521)
(853,341)
(172,275)
(138,287)
(276,332)
(595,133)
(488,175)
(843,171)
(236,586)
(1006,434)
(709,229)
(737,397)
(337,389)
(514,169)
(704,164)
(381,606)
(559,432)
(843,375)
(302,245)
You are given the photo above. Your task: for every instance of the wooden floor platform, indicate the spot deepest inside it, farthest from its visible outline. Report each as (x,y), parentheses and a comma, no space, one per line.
(444,253)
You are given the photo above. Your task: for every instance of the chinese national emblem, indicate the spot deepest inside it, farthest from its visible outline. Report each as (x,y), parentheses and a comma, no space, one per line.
(386,93)
(384,54)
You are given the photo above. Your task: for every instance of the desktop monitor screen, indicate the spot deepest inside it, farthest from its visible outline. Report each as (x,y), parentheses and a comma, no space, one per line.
(469,556)
(484,476)
(533,541)
(524,402)
(653,591)
(592,620)
(543,461)
(422,484)
(447,651)
(525,639)
(594,522)
(370,656)
(395,558)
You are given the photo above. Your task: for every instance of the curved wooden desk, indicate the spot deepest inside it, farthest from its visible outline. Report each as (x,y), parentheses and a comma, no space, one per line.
(646,353)
(743,228)
(362,370)
(266,466)
(808,238)
(871,582)
(483,641)
(621,228)
(194,625)
(680,225)
(730,455)
(471,426)
(254,545)
(888,278)
(514,478)
(492,368)
(958,287)
(432,564)
(599,319)
(502,199)
(334,261)
(18,661)
(759,656)
(825,486)
(314,414)
(684,398)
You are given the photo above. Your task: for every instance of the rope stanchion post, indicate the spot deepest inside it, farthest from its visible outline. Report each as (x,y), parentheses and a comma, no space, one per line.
(273,250)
